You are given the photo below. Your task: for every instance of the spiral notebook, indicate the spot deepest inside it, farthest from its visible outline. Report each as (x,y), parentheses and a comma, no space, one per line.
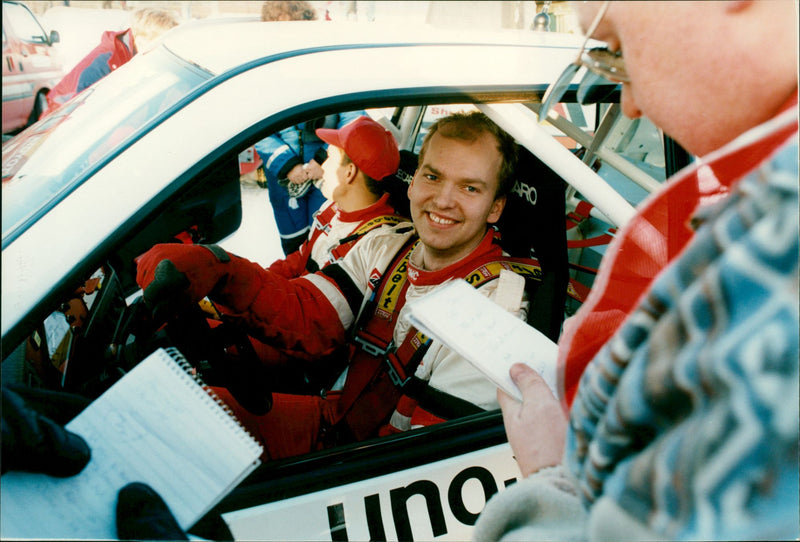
(158,424)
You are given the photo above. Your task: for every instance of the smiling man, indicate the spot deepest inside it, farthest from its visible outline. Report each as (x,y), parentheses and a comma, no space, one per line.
(455,192)
(465,170)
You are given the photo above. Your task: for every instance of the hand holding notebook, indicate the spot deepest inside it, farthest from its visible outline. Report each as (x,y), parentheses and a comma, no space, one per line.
(157,425)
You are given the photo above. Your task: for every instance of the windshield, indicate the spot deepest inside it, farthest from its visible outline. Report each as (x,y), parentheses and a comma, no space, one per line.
(44,163)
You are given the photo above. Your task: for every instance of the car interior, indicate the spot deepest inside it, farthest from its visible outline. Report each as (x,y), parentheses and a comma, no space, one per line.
(100,328)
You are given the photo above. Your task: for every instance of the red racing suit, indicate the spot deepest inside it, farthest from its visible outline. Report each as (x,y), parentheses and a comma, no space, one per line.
(325,305)
(333,233)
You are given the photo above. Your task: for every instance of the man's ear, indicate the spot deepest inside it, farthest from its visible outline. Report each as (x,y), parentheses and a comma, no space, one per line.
(351,172)
(497,209)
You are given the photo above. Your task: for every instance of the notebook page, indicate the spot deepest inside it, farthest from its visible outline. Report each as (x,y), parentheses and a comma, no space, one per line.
(156,425)
(489,337)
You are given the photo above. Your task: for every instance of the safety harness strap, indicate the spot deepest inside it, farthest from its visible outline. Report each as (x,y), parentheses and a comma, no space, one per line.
(379,372)
(582,212)
(322,224)
(372,335)
(346,243)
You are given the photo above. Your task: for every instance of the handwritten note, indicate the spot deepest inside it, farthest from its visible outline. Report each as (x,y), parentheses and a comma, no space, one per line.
(489,337)
(156,425)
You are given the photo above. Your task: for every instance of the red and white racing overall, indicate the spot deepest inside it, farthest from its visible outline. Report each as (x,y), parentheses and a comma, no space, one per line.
(375,279)
(333,233)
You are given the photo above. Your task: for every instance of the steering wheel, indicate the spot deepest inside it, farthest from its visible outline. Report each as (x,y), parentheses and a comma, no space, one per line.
(232,360)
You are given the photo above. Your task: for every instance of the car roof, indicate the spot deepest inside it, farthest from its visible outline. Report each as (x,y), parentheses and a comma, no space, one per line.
(220,45)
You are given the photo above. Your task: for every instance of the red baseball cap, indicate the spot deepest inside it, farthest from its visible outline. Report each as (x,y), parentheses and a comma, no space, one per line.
(368,144)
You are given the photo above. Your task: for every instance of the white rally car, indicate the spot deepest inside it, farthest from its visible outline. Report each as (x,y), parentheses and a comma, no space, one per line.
(153,150)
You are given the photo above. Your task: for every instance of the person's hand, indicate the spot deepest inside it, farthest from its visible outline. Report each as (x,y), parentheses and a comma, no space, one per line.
(314,170)
(32,439)
(537,426)
(176,275)
(297,175)
(143,515)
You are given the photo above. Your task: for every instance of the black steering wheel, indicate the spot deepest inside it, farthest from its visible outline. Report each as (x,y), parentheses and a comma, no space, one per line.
(232,361)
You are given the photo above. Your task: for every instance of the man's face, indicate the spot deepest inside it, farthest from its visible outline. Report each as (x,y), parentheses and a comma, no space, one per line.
(678,63)
(452,196)
(334,174)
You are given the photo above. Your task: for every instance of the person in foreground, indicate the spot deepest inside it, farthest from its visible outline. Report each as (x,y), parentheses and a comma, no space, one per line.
(681,369)
(466,167)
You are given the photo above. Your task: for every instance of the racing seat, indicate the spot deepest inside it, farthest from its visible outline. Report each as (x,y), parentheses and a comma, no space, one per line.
(533,226)
(397,183)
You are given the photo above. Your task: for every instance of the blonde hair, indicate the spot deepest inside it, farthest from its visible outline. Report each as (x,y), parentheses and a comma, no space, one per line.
(148,24)
(288,10)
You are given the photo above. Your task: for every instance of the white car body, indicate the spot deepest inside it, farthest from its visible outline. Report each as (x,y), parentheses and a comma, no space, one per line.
(262,77)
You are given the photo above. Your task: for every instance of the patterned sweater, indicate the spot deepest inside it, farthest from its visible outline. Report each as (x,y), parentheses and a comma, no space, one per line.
(685,424)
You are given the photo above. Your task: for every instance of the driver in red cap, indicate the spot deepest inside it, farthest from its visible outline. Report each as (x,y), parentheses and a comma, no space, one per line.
(357,176)
(360,155)
(362,158)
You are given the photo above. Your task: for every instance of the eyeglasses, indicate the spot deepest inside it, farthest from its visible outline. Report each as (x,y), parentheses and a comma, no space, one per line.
(603,66)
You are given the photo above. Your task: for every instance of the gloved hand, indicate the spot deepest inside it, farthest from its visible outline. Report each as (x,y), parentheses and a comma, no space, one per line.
(34,440)
(143,515)
(177,275)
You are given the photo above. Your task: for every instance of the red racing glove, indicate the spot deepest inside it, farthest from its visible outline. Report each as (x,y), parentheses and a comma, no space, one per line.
(176,275)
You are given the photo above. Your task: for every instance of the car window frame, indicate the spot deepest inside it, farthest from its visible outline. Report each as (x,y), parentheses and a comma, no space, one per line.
(276,481)
(256,131)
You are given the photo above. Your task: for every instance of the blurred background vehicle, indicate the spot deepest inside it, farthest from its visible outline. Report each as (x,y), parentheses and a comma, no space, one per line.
(30,66)
(80,29)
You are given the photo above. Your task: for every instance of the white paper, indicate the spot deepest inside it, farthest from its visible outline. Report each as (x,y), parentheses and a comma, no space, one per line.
(489,337)
(156,425)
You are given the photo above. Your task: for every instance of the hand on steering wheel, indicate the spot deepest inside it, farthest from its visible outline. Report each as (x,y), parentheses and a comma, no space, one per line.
(233,361)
